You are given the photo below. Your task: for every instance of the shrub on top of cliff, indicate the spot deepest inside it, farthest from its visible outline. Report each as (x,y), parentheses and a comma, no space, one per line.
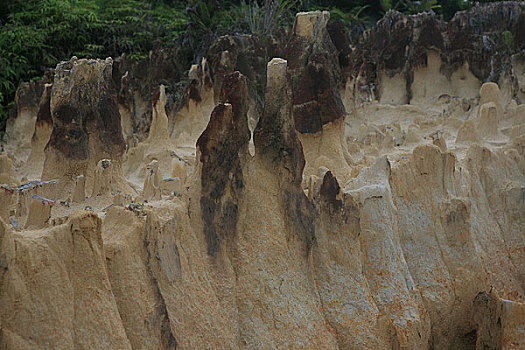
(411,7)
(207,19)
(134,26)
(36,35)
(263,18)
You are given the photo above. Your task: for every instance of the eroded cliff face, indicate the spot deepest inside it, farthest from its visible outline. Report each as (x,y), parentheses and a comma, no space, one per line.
(86,121)
(287,204)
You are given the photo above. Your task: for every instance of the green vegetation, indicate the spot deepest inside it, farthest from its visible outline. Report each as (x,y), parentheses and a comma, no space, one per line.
(507,38)
(36,34)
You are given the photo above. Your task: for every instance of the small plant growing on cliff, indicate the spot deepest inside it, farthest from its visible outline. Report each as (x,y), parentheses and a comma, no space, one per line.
(410,6)
(421,6)
(508,39)
(263,19)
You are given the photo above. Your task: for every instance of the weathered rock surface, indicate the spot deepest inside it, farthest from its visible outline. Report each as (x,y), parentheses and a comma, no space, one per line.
(42,132)
(314,70)
(194,113)
(86,120)
(318,110)
(472,46)
(21,125)
(287,204)
(55,291)
(225,142)
(499,321)
(7,170)
(137,85)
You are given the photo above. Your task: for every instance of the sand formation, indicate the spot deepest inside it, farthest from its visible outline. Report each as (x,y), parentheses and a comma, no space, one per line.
(344,205)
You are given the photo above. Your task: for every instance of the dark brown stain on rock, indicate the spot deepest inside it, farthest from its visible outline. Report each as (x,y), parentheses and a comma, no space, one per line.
(88,111)
(234,91)
(300,215)
(278,146)
(341,41)
(155,97)
(106,124)
(429,36)
(222,147)
(275,137)
(329,191)
(69,135)
(193,92)
(43,116)
(136,81)
(316,101)
(247,54)
(200,81)
(341,206)
(316,78)
(398,43)
(29,94)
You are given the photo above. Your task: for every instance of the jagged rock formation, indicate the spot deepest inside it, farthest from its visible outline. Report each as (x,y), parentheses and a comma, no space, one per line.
(499,322)
(137,83)
(86,120)
(293,205)
(198,102)
(48,269)
(318,110)
(158,146)
(475,46)
(108,178)
(43,128)
(314,69)
(152,189)
(19,129)
(224,141)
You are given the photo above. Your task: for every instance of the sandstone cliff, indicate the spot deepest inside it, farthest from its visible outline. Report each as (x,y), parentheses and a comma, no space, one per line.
(307,193)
